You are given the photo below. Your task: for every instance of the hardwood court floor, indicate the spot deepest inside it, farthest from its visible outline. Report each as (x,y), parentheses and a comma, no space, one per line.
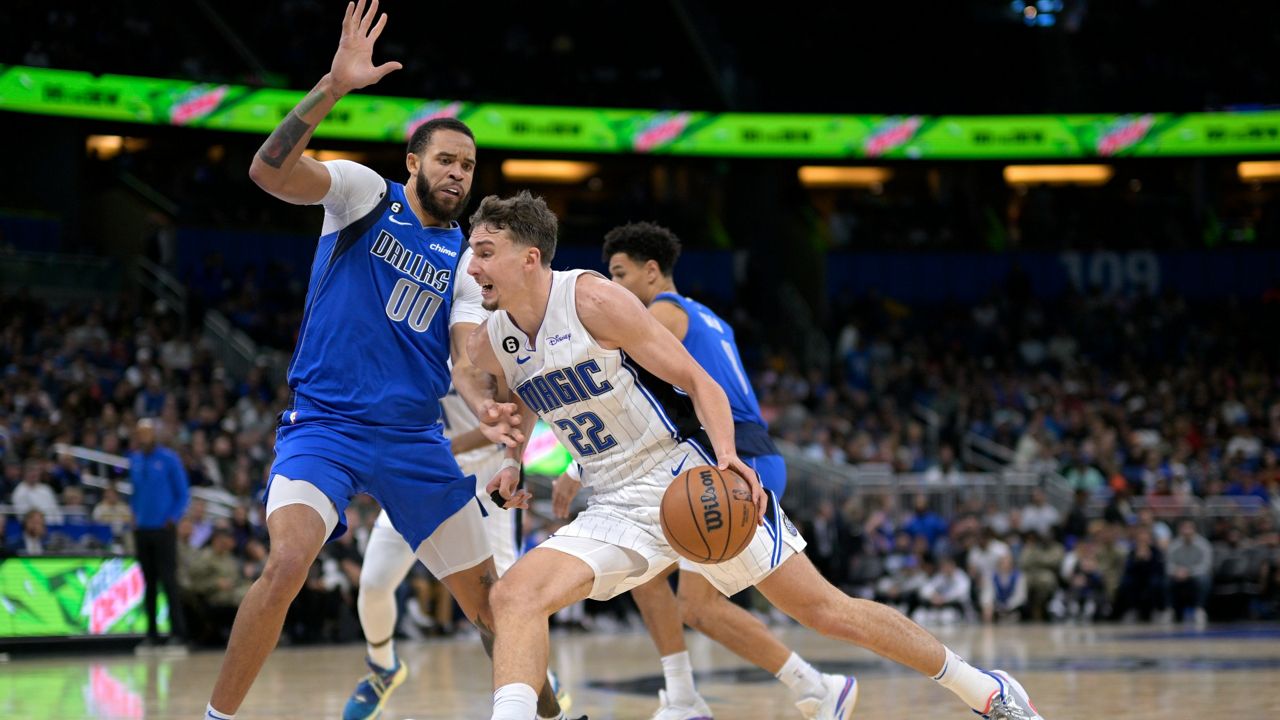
(1134,672)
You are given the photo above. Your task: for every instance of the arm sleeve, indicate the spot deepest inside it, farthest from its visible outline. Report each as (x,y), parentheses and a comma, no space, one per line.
(353,191)
(181,488)
(466,295)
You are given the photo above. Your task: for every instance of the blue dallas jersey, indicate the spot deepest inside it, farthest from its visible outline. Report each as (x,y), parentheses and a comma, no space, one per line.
(374,343)
(710,341)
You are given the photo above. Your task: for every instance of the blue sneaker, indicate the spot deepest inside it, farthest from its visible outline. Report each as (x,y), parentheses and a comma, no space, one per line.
(372,692)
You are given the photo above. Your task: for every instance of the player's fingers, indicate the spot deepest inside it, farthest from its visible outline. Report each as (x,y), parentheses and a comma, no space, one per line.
(346,19)
(367,13)
(494,483)
(357,15)
(377,29)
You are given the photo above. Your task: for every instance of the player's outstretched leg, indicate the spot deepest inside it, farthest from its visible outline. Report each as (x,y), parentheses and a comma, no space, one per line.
(800,591)
(816,695)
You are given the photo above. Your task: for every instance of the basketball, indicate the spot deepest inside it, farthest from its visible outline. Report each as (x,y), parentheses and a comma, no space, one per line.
(707,515)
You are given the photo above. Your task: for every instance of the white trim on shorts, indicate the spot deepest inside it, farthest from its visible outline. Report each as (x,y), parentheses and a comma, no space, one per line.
(285,491)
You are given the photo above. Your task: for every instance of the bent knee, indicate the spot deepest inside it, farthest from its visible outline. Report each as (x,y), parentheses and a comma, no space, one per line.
(689,614)
(286,568)
(694,611)
(506,598)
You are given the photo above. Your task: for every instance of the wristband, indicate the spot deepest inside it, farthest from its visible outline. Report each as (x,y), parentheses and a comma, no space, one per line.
(496,495)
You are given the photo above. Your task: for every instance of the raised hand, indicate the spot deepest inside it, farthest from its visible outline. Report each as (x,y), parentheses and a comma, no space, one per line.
(353,66)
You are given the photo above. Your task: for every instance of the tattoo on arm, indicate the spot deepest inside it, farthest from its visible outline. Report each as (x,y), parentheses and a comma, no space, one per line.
(310,101)
(283,140)
(286,136)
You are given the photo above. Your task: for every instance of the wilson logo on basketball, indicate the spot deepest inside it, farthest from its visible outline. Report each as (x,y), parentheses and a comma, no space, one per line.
(711,517)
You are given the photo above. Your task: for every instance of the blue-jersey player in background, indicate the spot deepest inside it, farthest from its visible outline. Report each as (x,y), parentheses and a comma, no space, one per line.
(641,258)
(388,287)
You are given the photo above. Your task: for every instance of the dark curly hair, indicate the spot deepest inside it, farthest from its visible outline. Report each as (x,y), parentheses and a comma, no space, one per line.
(642,242)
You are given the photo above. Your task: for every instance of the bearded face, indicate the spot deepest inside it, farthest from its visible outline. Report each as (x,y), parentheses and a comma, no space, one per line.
(445,201)
(442,181)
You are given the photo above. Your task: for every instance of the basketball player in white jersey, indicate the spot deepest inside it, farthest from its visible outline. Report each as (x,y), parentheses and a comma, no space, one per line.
(388,559)
(641,258)
(585,355)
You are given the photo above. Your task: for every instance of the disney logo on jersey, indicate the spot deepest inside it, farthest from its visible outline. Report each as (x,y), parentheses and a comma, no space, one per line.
(413,264)
(557,339)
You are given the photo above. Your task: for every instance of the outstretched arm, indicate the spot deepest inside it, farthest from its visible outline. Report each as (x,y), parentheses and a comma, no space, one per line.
(279,167)
(615,318)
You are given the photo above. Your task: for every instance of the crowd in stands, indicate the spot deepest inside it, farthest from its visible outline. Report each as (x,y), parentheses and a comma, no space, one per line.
(1130,401)
(1036,563)
(80,375)
(1148,408)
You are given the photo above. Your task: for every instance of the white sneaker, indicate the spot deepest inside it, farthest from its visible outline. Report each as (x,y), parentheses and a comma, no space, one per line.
(667,711)
(1010,702)
(836,704)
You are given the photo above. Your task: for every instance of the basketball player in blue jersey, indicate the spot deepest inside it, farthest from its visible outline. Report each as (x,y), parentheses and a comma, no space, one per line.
(585,355)
(641,257)
(386,292)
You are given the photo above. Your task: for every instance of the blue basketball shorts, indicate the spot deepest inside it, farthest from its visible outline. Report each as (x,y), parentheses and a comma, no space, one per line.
(408,470)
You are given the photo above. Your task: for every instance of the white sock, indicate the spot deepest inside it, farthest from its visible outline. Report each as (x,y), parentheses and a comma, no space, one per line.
(211,714)
(561,716)
(679,674)
(515,701)
(384,656)
(801,677)
(969,683)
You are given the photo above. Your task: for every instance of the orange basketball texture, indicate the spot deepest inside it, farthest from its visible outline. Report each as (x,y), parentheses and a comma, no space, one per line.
(707,516)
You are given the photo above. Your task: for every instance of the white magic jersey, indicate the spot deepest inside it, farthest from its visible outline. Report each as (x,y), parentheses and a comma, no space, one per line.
(593,398)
